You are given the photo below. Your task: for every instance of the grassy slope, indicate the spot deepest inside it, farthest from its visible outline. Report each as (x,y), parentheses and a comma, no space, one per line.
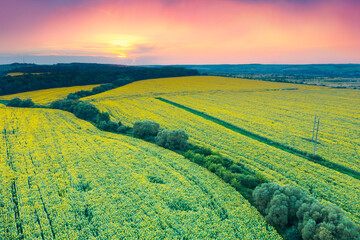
(126,105)
(47,95)
(74,181)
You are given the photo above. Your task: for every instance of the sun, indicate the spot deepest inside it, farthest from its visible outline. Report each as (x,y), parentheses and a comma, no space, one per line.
(121,55)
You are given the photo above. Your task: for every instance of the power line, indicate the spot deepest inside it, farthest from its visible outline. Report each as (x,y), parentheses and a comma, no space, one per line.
(315,131)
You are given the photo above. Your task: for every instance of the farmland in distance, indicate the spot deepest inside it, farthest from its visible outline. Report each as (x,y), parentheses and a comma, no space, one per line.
(46,96)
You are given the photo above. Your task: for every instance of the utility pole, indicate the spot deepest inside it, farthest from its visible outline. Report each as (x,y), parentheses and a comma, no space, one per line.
(317,131)
(312,138)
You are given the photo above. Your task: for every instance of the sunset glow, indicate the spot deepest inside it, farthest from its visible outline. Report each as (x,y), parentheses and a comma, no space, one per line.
(121,55)
(183,31)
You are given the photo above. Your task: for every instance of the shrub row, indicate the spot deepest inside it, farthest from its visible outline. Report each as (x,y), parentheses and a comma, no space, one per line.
(95,90)
(236,175)
(89,112)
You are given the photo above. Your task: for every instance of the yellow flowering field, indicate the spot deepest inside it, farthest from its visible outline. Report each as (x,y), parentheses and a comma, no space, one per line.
(278,166)
(287,117)
(20,74)
(46,96)
(60,177)
(253,108)
(191,85)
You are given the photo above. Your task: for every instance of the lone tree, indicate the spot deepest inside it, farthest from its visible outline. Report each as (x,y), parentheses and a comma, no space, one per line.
(172,139)
(146,129)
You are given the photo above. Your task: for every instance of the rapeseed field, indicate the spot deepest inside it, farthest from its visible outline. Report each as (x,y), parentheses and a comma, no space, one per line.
(46,96)
(278,166)
(192,85)
(80,182)
(62,178)
(287,117)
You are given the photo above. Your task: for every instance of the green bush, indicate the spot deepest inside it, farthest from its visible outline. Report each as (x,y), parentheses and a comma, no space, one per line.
(248,181)
(220,160)
(323,222)
(172,139)
(227,176)
(17,102)
(287,208)
(86,111)
(292,234)
(214,159)
(206,151)
(199,159)
(108,126)
(189,154)
(64,104)
(213,167)
(122,128)
(72,96)
(236,169)
(103,116)
(27,103)
(146,129)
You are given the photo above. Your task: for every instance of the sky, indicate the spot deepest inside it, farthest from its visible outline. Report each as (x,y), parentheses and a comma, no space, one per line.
(149,32)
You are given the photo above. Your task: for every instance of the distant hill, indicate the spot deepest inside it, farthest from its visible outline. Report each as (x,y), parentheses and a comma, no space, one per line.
(318,70)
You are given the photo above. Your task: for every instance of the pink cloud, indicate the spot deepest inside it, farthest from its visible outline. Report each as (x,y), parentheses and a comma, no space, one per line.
(185,31)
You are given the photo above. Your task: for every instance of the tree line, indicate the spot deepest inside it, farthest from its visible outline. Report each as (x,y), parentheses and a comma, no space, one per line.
(54,77)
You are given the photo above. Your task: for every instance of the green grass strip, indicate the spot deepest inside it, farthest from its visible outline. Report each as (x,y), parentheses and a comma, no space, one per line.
(308,156)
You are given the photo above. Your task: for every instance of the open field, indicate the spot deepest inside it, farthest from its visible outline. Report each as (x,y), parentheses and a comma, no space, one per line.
(46,96)
(62,178)
(193,85)
(279,166)
(332,75)
(20,74)
(288,117)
